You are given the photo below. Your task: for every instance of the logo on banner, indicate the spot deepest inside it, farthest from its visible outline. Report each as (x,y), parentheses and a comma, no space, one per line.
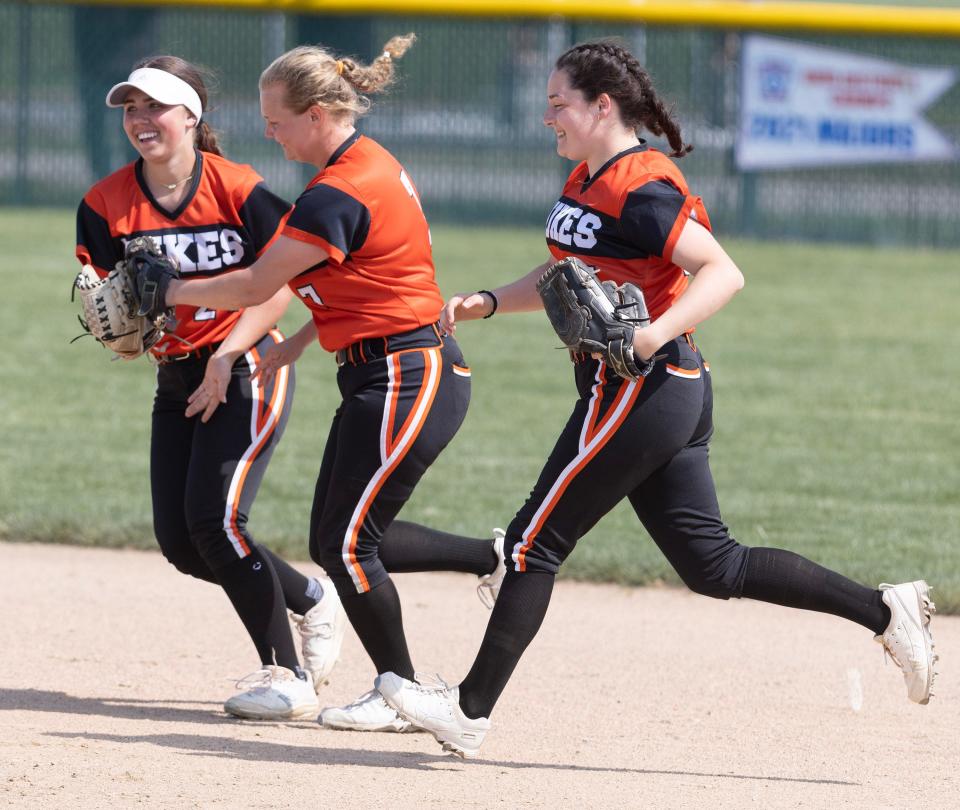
(774,80)
(807,105)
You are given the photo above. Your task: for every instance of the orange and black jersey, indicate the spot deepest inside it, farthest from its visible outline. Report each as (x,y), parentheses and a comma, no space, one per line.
(227,219)
(625,221)
(363,210)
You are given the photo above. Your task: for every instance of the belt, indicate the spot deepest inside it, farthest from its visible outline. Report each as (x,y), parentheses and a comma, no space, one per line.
(201,353)
(373,348)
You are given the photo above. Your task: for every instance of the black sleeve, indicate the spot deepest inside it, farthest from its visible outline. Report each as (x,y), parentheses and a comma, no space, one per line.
(93,235)
(649,215)
(261,215)
(339,219)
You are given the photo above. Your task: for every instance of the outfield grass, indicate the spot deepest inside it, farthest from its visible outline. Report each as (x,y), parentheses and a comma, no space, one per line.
(835,373)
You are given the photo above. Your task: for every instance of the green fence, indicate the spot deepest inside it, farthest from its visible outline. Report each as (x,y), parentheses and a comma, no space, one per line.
(465,119)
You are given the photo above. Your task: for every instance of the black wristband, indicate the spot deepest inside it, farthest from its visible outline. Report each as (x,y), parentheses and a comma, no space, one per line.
(493,298)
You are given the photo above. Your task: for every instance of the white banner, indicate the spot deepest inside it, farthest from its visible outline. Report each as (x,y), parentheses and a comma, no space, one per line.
(807,105)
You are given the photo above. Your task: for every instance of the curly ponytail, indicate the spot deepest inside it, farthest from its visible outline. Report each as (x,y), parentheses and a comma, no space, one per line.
(604,66)
(311,75)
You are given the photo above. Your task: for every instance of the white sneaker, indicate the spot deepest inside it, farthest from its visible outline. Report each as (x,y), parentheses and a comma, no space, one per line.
(489,587)
(274,693)
(369,712)
(907,639)
(321,634)
(435,708)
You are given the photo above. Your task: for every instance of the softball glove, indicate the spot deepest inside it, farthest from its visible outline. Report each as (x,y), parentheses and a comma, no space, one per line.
(594,317)
(111,305)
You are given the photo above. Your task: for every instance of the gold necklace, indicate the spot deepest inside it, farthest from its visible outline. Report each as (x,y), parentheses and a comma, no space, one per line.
(172,186)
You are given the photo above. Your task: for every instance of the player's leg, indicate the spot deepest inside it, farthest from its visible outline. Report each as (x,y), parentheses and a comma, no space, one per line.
(603,452)
(409,547)
(398,414)
(678,506)
(230,455)
(170,455)
(171,443)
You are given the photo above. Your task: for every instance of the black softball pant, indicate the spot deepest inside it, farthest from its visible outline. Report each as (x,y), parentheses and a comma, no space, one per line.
(646,441)
(204,477)
(403,401)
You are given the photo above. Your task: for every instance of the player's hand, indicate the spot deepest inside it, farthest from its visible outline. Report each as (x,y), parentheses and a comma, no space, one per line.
(463,307)
(646,342)
(212,391)
(273,359)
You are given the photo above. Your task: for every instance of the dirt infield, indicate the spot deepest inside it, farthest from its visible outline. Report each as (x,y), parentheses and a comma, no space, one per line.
(114,668)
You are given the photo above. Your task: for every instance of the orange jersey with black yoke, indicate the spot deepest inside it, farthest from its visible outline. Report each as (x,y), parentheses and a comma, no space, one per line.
(379,280)
(625,221)
(227,219)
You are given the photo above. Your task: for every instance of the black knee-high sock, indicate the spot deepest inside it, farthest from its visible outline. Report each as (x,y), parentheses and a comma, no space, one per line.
(785,578)
(516,618)
(300,593)
(407,547)
(378,621)
(253,588)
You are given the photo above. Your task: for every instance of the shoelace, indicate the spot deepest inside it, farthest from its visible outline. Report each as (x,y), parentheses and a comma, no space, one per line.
(485,592)
(323,630)
(260,678)
(424,682)
(366,697)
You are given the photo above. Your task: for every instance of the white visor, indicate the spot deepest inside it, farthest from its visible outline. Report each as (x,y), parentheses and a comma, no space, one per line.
(160,85)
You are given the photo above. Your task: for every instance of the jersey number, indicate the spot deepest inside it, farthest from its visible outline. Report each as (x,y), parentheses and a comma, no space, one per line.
(204,314)
(409,187)
(412,192)
(307,291)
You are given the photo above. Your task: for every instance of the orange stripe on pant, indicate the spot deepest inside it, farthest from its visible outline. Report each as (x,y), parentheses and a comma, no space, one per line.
(392,452)
(593,409)
(261,429)
(618,413)
(395,373)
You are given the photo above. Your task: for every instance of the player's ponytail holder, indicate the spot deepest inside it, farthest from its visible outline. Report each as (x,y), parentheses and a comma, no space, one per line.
(339,67)
(493,298)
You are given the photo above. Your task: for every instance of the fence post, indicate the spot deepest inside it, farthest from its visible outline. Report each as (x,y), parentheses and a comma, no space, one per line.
(23,104)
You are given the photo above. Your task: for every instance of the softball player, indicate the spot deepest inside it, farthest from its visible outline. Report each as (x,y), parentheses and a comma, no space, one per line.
(206,463)
(626,210)
(356,251)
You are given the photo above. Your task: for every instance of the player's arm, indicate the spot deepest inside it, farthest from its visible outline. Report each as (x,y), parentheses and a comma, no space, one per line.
(715,280)
(252,325)
(517,296)
(283,354)
(251,285)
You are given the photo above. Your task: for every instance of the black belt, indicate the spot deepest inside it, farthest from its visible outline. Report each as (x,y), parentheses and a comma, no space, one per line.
(202,353)
(373,348)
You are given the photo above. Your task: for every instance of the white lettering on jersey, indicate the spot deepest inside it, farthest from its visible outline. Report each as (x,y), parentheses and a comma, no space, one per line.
(561,222)
(307,291)
(585,237)
(232,246)
(204,314)
(214,249)
(207,244)
(175,246)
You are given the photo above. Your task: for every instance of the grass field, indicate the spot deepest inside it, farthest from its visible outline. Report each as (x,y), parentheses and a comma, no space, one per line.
(835,373)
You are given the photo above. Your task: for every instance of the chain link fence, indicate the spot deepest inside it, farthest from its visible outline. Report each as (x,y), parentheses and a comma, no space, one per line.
(465,118)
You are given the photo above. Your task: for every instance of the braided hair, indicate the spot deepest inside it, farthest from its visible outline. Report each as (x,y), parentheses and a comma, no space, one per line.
(603,66)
